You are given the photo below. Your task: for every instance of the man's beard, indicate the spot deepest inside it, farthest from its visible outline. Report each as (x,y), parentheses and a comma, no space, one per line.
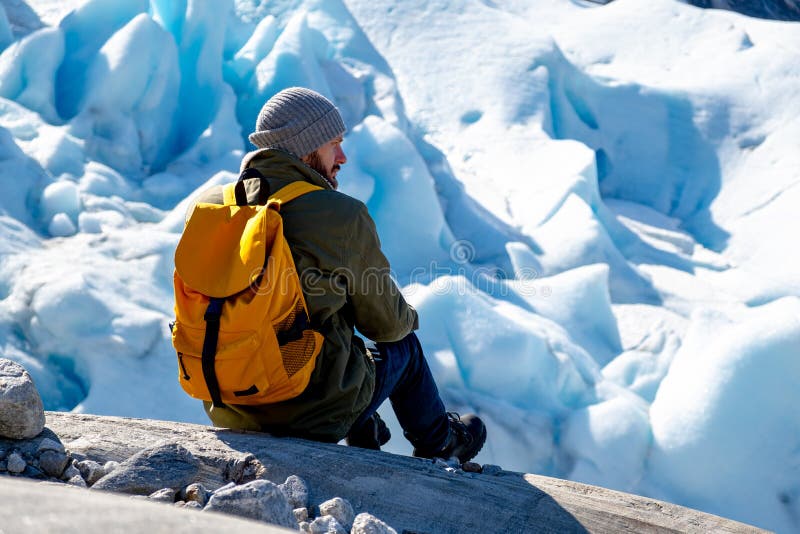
(313,160)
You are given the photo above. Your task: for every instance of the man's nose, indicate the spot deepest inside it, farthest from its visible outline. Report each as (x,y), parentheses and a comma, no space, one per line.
(341,159)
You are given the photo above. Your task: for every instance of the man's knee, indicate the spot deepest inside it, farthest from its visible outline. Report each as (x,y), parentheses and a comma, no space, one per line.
(409,344)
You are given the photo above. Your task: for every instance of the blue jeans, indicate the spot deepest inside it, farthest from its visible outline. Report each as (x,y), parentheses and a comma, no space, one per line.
(402,375)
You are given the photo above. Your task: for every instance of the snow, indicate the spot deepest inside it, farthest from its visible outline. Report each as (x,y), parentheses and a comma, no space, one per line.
(134,81)
(27,69)
(61,225)
(609,441)
(597,228)
(734,381)
(60,197)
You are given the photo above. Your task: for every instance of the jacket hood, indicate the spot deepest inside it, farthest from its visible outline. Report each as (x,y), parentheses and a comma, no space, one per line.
(277,164)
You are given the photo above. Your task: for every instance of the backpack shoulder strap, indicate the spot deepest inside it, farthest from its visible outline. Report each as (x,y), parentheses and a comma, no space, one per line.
(229,194)
(291,192)
(235,194)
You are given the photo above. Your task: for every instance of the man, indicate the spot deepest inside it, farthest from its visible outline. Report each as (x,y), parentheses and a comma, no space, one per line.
(347,285)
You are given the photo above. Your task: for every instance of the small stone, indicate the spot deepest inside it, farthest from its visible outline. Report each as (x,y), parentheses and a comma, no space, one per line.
(163,495)
(33,472)
(76,456)
(304,526)
(164,466)
(53,463)
(301,514)
(70,472)
(77,480)
(48,444)
(110,466)
(253,470)
(179,504)
(21,408)
(91,471)
(227,486)
(471,467)
(296,491)
(15,463)
(326,524)
(491,469)
(369,524)
(245,469)
(193,505)
(260,500)
(340,509)
(195,493)
(450,465)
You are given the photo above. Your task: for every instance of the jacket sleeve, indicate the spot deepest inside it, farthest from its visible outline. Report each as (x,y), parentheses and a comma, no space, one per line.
(381,312)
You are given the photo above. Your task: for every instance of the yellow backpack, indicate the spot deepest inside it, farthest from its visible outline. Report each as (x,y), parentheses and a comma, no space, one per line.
(242,330)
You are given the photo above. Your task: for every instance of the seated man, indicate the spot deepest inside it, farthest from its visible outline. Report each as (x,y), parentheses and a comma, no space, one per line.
(347,285)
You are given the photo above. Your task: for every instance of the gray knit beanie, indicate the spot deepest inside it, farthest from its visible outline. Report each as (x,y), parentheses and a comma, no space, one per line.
(297,120)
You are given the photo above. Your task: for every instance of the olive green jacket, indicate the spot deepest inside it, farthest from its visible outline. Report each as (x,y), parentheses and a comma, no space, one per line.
(346,283)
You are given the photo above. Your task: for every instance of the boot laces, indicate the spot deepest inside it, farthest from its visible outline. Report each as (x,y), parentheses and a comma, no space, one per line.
(459,428)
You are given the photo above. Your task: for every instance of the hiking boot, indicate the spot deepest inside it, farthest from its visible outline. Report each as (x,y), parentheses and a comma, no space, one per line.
(467,436)
(370,435)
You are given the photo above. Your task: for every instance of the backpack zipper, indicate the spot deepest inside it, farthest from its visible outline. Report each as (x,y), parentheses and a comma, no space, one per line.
(180,361)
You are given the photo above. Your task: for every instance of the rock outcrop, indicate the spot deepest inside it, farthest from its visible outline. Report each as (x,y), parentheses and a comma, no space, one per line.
(404,493)
(283,482)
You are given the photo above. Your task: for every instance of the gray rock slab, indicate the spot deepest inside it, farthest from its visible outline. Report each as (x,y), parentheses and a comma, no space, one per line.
(260,500)
(21,408)
(365,523)
(424,497)
(46,508)
(168,465)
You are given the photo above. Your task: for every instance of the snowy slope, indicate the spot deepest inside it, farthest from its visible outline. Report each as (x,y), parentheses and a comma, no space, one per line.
(600,202)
